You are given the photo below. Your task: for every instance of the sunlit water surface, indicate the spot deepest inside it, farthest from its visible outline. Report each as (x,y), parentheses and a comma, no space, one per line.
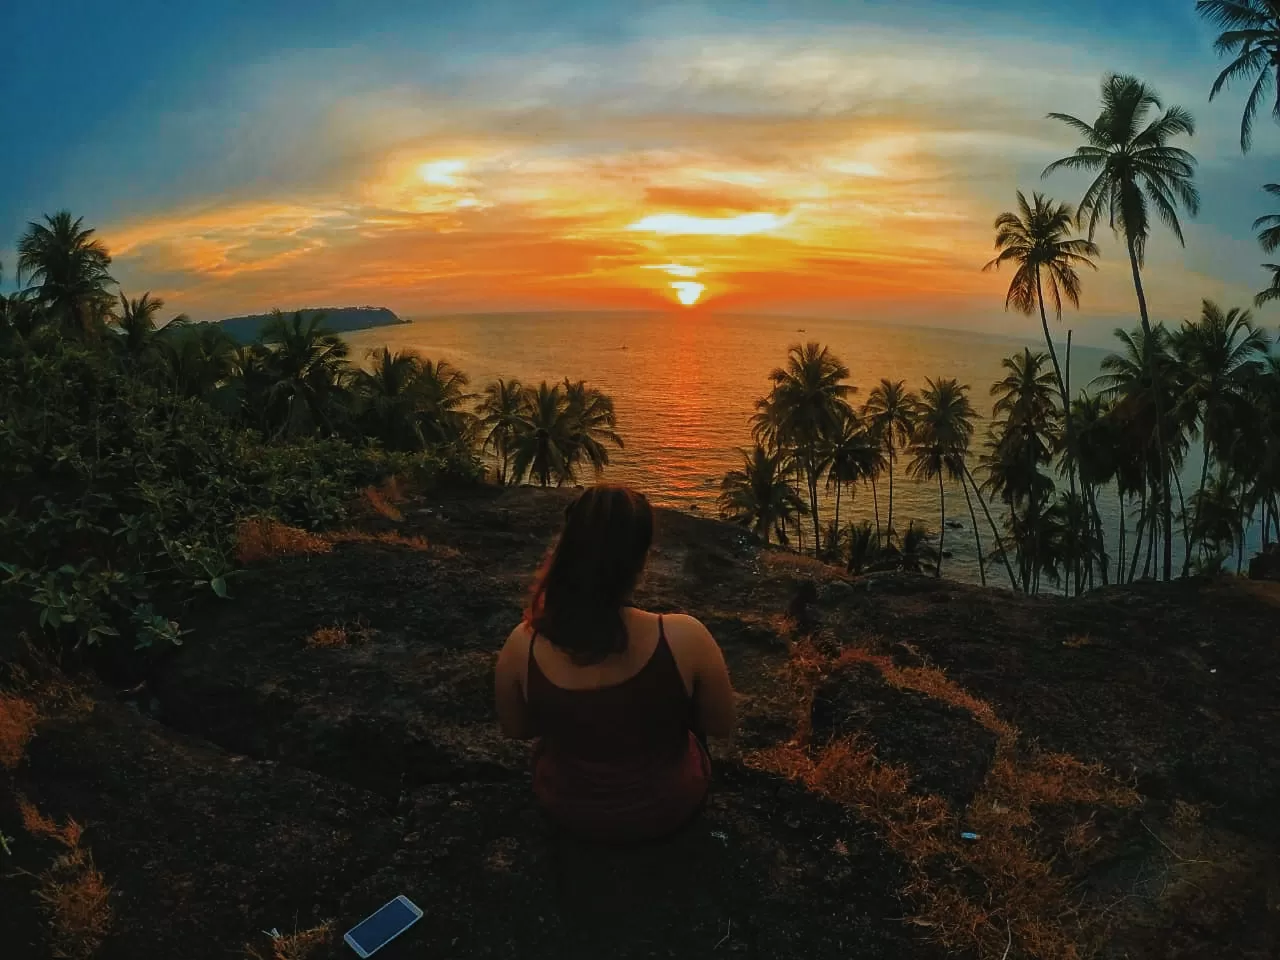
(685,385)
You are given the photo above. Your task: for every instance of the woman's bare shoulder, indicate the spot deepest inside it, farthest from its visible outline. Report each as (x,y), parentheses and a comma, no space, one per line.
(518,641)
(686,629)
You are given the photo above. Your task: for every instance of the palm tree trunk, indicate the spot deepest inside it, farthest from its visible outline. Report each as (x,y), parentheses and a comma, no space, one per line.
(1104,562)
(1156,388)
(875,500)
(1186,533)
(995,531)
(836,521)
(1243,530)
(973,518)
(942,530)
(888,526)
(1204,478)
(1137,546)
(813,504)
(1064,390)
(1121,543)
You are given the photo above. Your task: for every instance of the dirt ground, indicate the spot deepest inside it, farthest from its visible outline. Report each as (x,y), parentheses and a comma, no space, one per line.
(325,741)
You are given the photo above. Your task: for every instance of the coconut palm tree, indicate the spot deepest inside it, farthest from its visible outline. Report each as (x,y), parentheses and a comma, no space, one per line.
(1217,353)
(388,399)
(853,456)
(499,412)
(544,437)
(861,541)
(1022,438)
(806,404)
(759,496)
(1144,413)
(137,323)
(68,270)
(594,421)
(195,359)
(1268,227)
(309,366)
(1097,464)
(1136,171)
(1250,33)
(890,413)
(940,442)
(912,554)
(1038,239)
(442,392)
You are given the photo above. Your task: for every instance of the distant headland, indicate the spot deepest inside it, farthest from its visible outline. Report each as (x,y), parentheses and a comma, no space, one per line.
(338,319)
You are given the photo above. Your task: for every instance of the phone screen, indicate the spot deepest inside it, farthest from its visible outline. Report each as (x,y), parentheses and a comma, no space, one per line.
(373,933)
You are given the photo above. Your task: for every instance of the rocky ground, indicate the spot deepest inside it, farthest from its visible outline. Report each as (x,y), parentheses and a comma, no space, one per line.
(325,741)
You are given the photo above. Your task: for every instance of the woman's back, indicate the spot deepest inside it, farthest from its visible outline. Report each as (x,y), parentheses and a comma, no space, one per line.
(618,697)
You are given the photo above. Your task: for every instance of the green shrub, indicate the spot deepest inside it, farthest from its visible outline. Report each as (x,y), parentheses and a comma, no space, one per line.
(118,501)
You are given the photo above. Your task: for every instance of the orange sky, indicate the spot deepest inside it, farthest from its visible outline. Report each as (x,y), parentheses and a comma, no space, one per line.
(849,170)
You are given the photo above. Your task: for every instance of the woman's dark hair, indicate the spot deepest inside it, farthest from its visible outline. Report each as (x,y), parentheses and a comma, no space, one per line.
(580,591)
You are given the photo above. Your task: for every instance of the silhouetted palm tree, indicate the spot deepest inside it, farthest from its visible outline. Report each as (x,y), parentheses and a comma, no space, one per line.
(890,412)
(389,400)
(309,364)
(940,441)
(1136,169)
(544,438)
(68,268)
(137,323)
(806,404)
(861,542)
(853,456)
(1216,353)
(1037,238)
(1268,227)
(499,412)
(759,496)
(594,421)
(1251,33)
(442,393)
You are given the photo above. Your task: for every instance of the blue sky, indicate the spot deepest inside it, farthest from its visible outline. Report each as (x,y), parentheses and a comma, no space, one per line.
(240,155)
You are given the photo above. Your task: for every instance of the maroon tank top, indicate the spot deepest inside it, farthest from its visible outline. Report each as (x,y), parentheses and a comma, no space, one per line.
(618,763)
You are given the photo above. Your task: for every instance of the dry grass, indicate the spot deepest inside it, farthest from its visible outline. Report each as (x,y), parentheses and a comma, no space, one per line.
(263,538)
(329,637)
(784,561)
(72,891)
(384,498)
(299,945)
(1024,902)
(340,635)
(385,537)
(17,726)
(934,683)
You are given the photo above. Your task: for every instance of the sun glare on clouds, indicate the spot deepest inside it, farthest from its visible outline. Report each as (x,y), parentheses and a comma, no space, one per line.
(687,291)
(442,173)
(742,225)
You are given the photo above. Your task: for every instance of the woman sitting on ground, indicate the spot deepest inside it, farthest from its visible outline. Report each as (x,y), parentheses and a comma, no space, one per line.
(619,697)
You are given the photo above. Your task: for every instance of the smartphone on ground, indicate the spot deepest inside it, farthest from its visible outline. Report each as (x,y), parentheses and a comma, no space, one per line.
(375,932)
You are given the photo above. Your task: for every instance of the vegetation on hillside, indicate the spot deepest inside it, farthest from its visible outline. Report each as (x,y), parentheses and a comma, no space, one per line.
(132,452)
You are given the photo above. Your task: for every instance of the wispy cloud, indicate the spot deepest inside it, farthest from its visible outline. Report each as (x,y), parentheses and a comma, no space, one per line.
(836,163)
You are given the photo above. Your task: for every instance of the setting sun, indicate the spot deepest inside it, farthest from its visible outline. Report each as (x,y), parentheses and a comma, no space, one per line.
(687,291)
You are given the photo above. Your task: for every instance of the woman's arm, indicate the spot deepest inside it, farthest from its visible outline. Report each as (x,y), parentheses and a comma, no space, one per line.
(712,689)
(508,676)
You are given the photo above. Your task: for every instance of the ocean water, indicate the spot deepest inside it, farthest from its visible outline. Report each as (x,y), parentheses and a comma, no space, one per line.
(685,384)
